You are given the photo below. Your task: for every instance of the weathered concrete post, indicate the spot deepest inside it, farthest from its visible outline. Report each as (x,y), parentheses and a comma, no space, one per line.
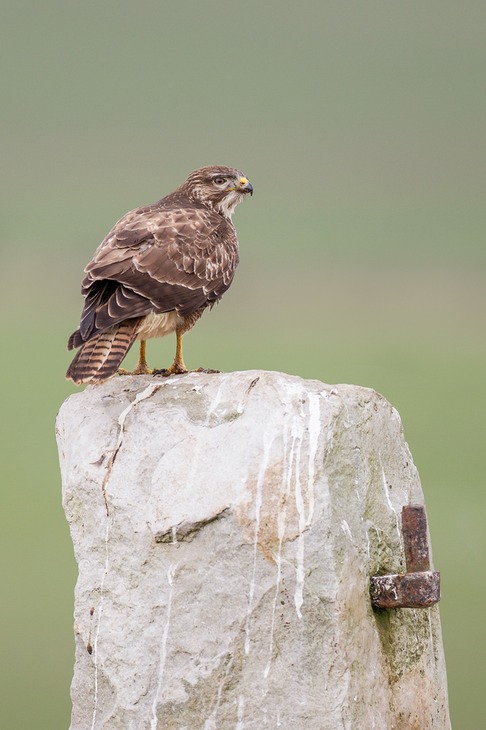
(226,528)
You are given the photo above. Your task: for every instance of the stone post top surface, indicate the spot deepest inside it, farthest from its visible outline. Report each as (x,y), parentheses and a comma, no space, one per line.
(231,386)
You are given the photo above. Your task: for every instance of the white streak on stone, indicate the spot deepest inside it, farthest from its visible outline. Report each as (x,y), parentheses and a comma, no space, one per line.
(431,634)
(241,712)
(281,524)
(278,561)
(387,496)
(297,432)
(267,444)
(368,544)
(356,484)
(163,648)
(281,521)
(314,433)
(214,404)
(210,723)
(98,625)
(297,395)
(345,528)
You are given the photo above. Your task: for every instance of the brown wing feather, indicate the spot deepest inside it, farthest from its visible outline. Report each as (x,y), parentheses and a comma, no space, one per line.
(174,255)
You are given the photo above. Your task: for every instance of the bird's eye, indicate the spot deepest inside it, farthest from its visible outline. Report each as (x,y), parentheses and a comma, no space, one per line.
(219,180)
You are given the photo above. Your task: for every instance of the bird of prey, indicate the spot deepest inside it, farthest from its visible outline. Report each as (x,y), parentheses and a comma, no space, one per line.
(156,272)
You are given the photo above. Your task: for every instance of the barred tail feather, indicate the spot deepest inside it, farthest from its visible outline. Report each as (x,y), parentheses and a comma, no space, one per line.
(75,340)
(99,358)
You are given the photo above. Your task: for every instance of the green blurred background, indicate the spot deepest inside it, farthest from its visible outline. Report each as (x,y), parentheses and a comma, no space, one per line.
(361,126)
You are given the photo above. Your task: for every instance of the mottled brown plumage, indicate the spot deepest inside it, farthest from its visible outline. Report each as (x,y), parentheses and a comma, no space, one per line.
(157,271)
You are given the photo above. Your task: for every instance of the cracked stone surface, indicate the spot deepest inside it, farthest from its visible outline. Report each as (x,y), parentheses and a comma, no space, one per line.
(225,529)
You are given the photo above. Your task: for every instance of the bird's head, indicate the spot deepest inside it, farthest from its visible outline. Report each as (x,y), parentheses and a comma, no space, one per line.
(221,188)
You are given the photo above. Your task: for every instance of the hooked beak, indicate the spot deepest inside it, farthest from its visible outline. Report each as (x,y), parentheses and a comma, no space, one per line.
(245,186)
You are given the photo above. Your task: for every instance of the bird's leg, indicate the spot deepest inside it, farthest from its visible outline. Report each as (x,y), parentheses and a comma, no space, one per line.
(141,368)
(178,367)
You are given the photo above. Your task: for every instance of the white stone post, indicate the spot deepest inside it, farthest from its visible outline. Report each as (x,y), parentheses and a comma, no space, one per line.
(226,528)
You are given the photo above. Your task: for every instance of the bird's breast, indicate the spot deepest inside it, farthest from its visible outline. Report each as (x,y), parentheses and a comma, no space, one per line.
(159,325)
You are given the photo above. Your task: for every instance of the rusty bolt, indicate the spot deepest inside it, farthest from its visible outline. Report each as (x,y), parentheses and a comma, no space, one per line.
(419,587)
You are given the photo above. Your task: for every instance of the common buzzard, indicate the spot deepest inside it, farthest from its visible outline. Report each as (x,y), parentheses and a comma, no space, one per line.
(156,272)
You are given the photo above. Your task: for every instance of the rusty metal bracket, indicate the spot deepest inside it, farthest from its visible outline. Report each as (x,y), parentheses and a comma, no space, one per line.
(419,587)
